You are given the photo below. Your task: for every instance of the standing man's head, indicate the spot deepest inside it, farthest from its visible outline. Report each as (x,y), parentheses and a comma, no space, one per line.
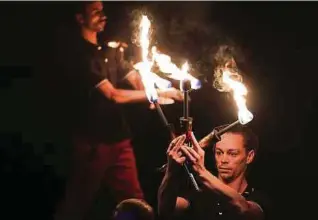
(90,16)
(234,152)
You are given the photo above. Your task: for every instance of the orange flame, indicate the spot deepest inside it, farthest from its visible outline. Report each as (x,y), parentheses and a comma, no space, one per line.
(168,67)
(239,91)
(149,78)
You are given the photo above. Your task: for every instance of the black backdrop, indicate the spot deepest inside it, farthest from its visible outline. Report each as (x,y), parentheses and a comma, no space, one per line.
(277,44)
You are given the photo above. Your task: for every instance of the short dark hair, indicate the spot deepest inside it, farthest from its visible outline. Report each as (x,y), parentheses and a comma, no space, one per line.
(133,209)
(80,7)
(250,138)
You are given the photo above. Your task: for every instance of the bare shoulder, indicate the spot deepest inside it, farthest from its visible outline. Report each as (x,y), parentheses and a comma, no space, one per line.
(182,203)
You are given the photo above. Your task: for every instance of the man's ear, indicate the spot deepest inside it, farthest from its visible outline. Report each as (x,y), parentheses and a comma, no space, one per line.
(79,18)
(250,156)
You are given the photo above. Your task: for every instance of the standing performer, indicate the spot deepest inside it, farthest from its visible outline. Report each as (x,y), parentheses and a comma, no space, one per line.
(226,196)
(102,151)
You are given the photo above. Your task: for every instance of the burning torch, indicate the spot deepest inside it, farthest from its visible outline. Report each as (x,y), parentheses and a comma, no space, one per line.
(151,80)
(187,83)
(239,91)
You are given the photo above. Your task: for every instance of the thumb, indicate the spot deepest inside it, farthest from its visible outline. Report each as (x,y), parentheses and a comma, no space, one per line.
(195,143)
(152,106)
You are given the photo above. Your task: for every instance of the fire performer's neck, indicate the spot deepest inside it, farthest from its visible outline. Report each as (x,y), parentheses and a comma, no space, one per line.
(239,183)
(89,35)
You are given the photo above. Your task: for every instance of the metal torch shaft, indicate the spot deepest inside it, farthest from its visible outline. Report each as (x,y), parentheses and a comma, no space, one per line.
(160,112)
(164,120)
(186,105)
(223,130)
(215,134)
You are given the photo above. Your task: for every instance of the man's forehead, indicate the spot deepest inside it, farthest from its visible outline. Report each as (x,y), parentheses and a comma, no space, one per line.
(94,6)
(230,141)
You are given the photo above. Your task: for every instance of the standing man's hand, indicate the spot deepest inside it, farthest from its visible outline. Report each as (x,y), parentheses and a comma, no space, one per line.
(171,93)
(162,101)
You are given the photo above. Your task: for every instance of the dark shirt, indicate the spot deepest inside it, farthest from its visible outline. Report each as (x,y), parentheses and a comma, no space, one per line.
(205,205)
(88,112)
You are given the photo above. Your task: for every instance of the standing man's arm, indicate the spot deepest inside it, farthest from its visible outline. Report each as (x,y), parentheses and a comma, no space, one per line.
(126,69)
(134,79)
(120,95)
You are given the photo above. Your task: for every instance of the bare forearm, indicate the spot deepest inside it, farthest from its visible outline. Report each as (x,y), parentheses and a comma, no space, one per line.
(212,183)
(120,95)
(135,81)
(167,196)
(129,96)
(137,84)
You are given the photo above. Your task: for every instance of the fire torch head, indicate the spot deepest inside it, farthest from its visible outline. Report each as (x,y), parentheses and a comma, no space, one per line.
(185,85)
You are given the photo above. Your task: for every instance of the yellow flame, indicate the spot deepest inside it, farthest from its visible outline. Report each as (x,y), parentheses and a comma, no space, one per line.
(113,44)
(164,63)
(239,91)
(160,82)
(144,37)
(144,67)
(168,67)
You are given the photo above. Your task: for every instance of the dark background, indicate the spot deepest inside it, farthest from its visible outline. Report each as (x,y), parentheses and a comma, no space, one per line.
(276,44)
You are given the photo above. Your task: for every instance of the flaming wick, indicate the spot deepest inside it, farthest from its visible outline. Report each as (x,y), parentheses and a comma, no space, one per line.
(239,91)
(149,78)
(172,71)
